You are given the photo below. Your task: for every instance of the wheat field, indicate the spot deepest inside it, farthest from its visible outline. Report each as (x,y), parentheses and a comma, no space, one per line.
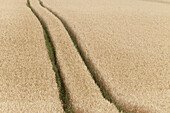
(27,81)
(84,93)
(75,56)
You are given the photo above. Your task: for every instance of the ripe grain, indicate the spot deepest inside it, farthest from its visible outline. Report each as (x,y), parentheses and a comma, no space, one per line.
(85,96)
(27,81)
(127,43)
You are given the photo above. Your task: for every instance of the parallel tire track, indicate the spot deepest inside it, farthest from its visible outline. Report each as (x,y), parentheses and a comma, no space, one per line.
(89,66)
(63,94)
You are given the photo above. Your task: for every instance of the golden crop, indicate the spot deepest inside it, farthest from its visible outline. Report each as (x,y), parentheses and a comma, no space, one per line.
(127,42)
(85,56)
(27,81)
(84,94)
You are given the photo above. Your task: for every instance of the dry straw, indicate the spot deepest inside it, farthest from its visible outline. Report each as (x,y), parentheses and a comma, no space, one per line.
(127,45)
(27,81)
(85,96)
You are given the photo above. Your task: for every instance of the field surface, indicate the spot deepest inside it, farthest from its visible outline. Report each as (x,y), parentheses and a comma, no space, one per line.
(91,56)
(27,81)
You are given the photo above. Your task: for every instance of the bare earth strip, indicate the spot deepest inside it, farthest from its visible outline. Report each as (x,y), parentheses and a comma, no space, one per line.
(127,43)
(84,94)
(27,81)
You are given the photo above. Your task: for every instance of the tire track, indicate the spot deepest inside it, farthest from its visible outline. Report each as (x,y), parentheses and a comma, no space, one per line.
(63,94)
(86,61)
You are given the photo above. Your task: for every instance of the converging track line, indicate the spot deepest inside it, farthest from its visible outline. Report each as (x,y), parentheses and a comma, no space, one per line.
(86,61)
(63,94)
